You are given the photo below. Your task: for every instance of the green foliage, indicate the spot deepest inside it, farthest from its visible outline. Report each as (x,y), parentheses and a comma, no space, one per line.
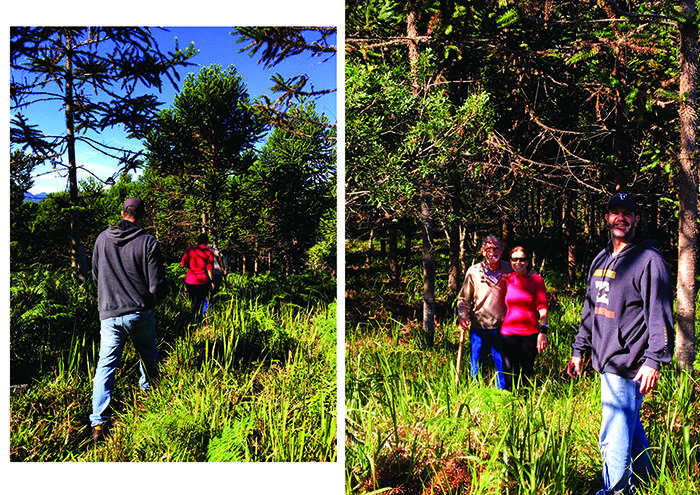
(47,310)
(216,400)
(396,139)
(206,136)
(298,289)
(34,223)
(323,255)
(21,167)
(288,190)
(232,445)
(410,427)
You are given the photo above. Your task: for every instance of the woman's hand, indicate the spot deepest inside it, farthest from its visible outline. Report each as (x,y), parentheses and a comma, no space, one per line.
(541,342)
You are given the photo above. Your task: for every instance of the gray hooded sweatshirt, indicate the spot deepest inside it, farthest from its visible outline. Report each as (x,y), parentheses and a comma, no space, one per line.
(627,318)
(128,268)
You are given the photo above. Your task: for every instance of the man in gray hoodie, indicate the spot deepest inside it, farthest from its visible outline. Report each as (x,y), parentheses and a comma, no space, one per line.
(128,268)
(627,327)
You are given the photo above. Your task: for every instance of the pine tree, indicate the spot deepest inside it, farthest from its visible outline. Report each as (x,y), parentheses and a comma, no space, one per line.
(99,77)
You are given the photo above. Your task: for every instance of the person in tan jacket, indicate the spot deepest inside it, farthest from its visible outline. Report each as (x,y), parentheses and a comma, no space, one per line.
(481,306)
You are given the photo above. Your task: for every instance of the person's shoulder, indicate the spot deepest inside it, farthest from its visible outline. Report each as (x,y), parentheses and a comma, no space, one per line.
(147,238)
(648,248)
(103,234)
(651,247)
(475,268)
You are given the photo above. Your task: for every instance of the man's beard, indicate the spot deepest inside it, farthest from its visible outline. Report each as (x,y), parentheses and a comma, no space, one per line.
(616,232)
(493,260)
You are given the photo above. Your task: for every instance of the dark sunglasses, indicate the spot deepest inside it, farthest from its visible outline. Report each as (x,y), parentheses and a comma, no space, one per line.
(519,260)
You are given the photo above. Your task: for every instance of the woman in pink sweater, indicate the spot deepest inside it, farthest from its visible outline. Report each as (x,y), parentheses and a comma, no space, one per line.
(524,329)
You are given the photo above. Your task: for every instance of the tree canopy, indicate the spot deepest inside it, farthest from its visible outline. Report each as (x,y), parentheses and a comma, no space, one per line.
(580,100)
(98,78)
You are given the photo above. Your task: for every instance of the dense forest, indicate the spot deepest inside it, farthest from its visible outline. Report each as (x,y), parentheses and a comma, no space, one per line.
(258,177)
(517,119)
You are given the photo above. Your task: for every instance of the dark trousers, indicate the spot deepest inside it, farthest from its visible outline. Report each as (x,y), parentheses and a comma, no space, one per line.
(197,294)
(519,353)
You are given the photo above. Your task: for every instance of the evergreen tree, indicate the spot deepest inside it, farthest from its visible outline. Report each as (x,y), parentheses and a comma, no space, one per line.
(289,190)
(204,139)
(96,76)
(272,45)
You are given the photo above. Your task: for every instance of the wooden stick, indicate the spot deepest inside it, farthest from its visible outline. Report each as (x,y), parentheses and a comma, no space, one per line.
(459,353)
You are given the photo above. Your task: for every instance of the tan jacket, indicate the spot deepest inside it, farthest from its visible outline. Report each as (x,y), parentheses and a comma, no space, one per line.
(481,300)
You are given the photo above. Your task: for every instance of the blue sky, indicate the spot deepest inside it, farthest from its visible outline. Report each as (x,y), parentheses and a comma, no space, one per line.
(216,45)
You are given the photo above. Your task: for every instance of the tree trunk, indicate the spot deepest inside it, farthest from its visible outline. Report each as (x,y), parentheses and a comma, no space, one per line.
(463,248)
(408,229)
(454,280)
(453,275)
(570,237)
(426,220)
(393,246)
(507,233)
(78,257)
(368,253)
(687,183)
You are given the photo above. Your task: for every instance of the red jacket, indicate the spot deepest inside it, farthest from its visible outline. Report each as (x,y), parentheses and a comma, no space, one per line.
(198,259)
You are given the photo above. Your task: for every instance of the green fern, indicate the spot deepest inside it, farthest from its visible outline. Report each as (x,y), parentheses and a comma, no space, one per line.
(509,18)
(232,445)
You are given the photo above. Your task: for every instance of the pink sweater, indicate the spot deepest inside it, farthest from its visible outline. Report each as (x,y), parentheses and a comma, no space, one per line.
(525,296)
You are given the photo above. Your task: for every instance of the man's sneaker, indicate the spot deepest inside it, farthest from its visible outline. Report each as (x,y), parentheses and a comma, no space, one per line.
(97,434)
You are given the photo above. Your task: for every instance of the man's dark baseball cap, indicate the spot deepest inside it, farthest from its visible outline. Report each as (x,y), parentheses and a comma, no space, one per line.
(134,206)
(623,199)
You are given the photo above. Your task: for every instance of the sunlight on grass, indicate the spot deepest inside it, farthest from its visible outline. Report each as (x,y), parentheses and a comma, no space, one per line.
(411,430)
(255,382)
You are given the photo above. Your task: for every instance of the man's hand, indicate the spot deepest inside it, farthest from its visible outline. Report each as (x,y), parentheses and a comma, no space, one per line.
(574,367)
(647,377)
(541,342)
(464,323)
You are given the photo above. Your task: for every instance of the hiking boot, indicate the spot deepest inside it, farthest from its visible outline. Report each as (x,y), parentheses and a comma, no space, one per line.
(97,434)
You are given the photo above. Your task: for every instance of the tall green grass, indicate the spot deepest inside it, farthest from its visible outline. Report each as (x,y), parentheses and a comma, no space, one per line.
(256,381)
(410,429)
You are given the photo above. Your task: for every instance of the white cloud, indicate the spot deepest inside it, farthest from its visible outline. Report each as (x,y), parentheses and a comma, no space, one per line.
(48,180)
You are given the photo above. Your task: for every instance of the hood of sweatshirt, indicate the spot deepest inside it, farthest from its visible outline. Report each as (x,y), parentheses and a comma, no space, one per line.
(123,232)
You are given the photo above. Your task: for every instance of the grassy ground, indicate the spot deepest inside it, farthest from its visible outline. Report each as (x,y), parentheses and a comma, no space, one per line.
(411,429)
(255,382)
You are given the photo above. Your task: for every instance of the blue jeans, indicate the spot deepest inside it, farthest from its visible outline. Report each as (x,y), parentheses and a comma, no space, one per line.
(485,342)
(622,441)
(141,328)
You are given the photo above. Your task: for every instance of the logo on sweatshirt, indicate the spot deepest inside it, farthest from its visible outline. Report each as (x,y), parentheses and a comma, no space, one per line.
(602,288)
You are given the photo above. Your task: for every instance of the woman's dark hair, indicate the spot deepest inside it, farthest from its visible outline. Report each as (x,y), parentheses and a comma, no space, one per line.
(203,239)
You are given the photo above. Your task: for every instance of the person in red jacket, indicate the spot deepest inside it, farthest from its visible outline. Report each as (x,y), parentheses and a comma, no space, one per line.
(524,329)
(199,261)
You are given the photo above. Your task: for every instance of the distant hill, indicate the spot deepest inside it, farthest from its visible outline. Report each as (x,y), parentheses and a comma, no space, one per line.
(35,197)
